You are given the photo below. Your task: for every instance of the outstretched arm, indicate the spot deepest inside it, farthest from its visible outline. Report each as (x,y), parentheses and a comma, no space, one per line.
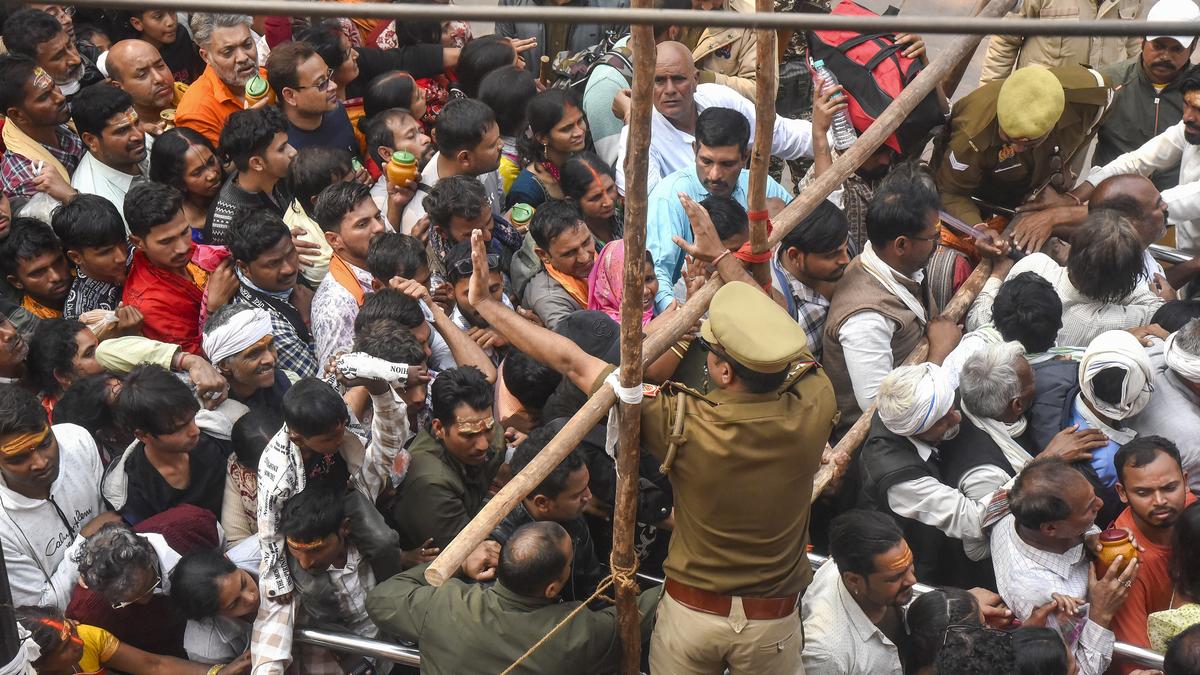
(543,345)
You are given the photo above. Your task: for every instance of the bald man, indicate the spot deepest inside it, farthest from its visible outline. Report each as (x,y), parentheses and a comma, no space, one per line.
(678,99)
(138,68)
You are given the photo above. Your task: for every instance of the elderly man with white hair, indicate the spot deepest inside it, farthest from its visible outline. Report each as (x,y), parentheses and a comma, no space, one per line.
(1174,410)
(902,473)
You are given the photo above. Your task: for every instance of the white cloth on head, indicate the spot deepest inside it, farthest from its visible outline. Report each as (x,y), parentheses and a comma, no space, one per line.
(1183,363)
(913,398)
(237,334)
(1117,349)
(883,274)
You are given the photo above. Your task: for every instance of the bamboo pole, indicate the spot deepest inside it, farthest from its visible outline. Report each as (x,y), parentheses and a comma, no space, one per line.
(950,83)
(451,558)
(884,126)
(766,74)
(593,411)
(623,562)
(955,310)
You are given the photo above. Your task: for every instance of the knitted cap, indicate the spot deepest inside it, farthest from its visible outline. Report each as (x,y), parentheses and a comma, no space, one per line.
(1030,103)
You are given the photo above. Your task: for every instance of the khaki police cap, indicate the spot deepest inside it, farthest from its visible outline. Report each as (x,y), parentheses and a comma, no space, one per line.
(748,326)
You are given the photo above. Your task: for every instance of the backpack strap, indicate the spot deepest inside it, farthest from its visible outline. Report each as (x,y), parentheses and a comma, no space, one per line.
(784,288)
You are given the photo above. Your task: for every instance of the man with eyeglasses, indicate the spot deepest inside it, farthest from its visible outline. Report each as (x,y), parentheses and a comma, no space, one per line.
(308,97)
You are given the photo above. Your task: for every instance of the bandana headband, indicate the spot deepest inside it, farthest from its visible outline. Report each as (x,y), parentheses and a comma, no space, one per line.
(306,545)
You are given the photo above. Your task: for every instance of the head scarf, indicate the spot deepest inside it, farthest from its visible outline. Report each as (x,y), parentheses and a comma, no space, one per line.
(1117,349)
(606,282)
(1184,363)
(912,399)
(237,334)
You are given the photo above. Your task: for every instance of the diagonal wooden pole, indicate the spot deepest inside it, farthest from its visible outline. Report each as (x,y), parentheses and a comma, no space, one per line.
(623,561)
(448,563)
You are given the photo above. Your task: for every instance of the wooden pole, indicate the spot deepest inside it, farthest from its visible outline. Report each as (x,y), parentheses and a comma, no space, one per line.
(955,310)
(657,343)
(451,558)
(623,562)
(950,84)
(766,74)
(877,133)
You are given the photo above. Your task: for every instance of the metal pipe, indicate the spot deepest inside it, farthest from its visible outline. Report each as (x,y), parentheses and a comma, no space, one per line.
(1167,254)
(344,642)
(949,25)
(411,657)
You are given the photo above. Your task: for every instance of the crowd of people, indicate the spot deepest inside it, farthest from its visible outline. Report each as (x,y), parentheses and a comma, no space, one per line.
(286,300)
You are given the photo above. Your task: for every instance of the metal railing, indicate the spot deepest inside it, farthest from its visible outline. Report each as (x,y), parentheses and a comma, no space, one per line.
(1167,254)
(410,656)
(952,25)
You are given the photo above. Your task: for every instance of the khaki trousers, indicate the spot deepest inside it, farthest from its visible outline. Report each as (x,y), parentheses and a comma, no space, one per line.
(688,642)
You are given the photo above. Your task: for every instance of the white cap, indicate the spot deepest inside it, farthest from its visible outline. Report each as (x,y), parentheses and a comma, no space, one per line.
(1174,10)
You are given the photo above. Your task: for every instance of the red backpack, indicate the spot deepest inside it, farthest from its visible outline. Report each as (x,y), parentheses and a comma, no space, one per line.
(873,71)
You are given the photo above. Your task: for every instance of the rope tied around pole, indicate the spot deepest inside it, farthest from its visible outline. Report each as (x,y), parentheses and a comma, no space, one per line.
(619,577)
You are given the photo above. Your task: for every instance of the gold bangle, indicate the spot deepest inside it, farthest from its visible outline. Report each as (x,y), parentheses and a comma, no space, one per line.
(216,669)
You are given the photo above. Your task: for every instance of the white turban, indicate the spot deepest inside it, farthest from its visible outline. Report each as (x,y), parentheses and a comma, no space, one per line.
(1117,349)
(1184,363)
(237,334)
(912,399)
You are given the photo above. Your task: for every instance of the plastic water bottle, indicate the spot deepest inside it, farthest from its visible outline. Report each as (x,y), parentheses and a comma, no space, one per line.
(844,134)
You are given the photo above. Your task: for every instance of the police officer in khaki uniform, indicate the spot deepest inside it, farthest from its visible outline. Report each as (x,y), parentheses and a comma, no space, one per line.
(741,460)
(1010,138)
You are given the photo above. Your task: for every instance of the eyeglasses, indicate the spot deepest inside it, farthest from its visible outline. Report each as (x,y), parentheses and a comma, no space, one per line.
(464,267)
(964,629)
(321,84)
(148,591)
(58,11)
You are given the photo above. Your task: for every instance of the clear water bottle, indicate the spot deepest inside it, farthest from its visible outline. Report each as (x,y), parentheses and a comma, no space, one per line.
(843,130)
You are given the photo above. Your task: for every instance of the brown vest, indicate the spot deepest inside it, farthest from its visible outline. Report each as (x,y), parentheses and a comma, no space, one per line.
(856,292)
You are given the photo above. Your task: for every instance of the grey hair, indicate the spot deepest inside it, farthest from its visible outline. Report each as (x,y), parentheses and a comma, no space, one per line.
(989,379)
(204,23)
(1188,337)
(109,559)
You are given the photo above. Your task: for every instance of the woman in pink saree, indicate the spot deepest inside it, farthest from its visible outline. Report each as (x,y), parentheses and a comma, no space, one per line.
(606,282)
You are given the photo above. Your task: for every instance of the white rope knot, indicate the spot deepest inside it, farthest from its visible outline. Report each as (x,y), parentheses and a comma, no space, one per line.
(627,395)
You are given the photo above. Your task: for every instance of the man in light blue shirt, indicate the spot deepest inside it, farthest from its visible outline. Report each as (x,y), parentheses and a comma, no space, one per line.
(722,148)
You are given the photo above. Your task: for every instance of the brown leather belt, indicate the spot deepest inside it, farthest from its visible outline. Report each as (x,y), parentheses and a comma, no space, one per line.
(720,605)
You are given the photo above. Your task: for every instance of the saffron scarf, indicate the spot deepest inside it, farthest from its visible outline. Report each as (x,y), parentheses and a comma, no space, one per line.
(344,275)
(577,288)
(20,143)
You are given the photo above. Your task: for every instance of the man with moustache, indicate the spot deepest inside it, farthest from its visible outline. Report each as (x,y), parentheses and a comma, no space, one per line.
(41,151)
(1148,100)
(227,45)
(1151,480)
(137,67)
(721,149)
(109,127)
(1175,148)
(678,99)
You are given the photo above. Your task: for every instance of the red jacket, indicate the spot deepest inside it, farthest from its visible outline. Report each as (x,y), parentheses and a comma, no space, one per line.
(173,307)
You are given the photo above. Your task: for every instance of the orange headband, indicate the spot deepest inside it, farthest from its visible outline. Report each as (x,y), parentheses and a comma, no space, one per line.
(24,443)
(63,628)
(305,546)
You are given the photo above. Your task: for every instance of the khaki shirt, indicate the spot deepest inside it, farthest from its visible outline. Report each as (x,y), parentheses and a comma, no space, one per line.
(743,478)
(971,159)
(1005,53)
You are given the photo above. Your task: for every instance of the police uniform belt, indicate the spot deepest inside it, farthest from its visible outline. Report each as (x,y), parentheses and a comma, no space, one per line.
(714,603)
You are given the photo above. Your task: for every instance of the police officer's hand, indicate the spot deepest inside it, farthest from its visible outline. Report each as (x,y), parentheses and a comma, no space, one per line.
(1048,199)
(706,245)
(1031,230)
(478,292)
